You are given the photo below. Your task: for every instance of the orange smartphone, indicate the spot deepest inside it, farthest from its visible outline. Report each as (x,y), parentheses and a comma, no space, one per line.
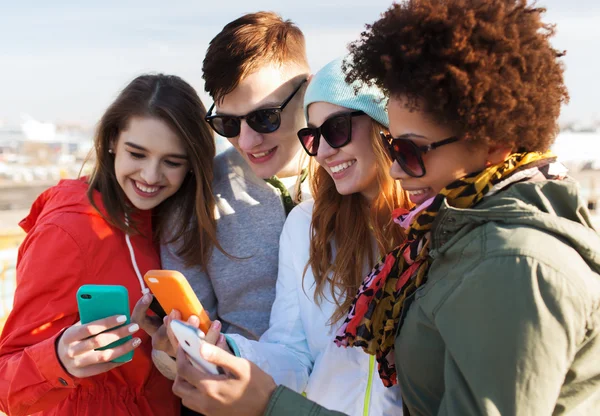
(173,291)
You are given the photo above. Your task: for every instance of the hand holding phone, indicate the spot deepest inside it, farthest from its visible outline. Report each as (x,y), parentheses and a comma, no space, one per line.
(104,325)
(173,291)
(101,301)
(190,340)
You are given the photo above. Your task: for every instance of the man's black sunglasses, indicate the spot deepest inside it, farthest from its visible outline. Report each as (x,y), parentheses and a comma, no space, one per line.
(336,130)
(410,156)
(264,120)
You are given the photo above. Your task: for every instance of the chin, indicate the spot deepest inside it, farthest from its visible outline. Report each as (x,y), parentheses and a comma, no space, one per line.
(343,190)
(266,172)
(142,207)
(145,206)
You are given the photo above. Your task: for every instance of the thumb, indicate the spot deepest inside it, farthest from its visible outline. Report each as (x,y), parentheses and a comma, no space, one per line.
(140,316)
(232,364)
(142,305)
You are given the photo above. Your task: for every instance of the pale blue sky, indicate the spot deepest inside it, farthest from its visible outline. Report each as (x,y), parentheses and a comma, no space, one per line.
(66,60)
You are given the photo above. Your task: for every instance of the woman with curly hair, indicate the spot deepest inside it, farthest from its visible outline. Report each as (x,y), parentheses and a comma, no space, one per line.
(492,306)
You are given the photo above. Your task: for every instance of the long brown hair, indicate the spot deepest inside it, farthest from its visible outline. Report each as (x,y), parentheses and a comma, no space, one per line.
(188,215)
(351,223)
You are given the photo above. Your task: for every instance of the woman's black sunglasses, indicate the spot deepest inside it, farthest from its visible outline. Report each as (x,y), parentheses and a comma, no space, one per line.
(336,130)
(264,120)
(410,156)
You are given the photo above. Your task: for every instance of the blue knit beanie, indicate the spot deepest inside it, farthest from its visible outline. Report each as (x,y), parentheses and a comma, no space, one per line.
(329,85)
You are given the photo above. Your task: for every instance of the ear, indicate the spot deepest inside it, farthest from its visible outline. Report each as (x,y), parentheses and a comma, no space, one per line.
(498,154)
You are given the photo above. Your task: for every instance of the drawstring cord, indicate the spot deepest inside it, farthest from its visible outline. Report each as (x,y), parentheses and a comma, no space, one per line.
(134,262)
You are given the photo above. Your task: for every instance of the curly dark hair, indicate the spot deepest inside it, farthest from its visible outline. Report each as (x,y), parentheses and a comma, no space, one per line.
(485,67)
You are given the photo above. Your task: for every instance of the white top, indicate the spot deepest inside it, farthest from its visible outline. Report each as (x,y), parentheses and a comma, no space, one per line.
(299,340)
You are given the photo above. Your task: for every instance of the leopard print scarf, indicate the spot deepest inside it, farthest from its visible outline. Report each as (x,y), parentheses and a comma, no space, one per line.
(374,315)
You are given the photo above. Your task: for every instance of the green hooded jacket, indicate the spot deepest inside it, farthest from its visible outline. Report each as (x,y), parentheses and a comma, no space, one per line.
(508,322)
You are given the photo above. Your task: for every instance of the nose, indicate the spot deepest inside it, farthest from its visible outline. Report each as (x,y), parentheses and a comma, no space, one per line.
(325,151)
(396,172)
(151,173)
(248,138)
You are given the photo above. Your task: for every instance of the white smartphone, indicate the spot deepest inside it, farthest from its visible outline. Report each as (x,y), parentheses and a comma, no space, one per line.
(190,339)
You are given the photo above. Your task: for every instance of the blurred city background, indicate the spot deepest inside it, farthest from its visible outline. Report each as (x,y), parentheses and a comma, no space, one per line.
(62,63)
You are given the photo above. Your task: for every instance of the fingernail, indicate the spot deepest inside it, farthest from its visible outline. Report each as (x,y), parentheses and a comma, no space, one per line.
(134,328)
(172,314)
(136,342)
(206,350)
(217,324)
(147,298)
(221,339)
(121,319)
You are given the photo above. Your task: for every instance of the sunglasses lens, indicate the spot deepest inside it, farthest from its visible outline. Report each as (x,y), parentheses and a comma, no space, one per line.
(309,139)
(408,156)
(264,121)
(226,126)
(337,131)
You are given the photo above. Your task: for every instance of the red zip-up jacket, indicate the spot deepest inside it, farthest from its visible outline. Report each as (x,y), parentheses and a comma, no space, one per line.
(68,244)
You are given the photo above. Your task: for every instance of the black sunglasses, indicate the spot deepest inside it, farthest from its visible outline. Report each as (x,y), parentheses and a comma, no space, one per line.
(264,120)
(410,156)
(336,130)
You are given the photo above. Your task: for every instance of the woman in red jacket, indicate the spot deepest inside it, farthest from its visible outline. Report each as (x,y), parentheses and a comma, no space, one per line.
(154,156)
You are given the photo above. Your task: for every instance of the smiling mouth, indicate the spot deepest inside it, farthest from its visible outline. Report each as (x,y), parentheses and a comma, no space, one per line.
(262,154)
(342,166)
(146,189)
(417,192)
(419,196)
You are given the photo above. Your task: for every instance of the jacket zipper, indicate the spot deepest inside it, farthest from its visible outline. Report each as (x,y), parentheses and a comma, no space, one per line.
(367,402)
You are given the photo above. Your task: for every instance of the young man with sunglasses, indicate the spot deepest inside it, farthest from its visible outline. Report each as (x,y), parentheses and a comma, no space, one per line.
(256,71)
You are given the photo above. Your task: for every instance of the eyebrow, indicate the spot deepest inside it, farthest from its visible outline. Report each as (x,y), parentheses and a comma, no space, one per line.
(411,135)
(272,103)
(264,106)
(332,115)
(137,146)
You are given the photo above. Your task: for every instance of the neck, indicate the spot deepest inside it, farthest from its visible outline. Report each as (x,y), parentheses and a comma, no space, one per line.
(286,174)
(294,167)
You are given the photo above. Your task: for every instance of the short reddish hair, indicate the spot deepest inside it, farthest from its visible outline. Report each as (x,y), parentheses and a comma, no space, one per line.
(246,44)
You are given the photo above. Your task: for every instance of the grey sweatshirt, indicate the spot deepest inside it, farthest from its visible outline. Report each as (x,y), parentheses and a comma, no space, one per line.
(250,217)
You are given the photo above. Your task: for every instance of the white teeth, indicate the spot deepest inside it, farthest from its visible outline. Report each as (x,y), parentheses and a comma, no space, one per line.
(417,192)
(342,166)
(147,189)
(263,154)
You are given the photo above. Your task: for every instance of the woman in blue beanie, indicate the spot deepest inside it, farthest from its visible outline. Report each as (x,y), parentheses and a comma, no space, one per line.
(327,246)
